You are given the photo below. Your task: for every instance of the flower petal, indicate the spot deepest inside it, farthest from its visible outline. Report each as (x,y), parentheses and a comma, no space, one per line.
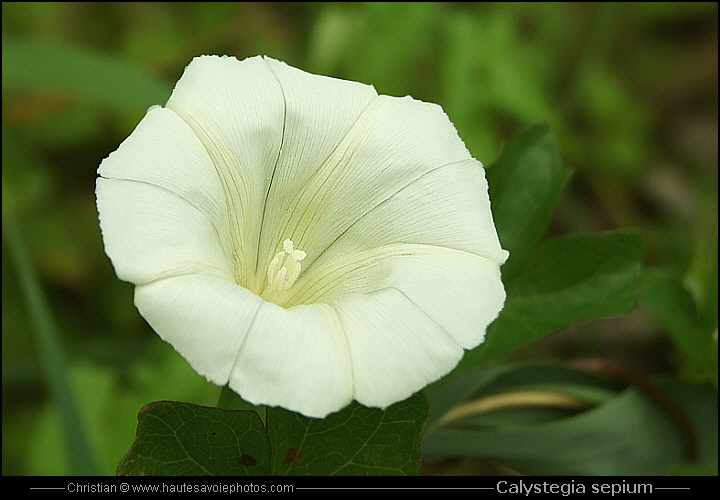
(266,126)
(319,112)
(296,358)
(160,203)
(151,234)
(204,318)
(448,207)
(377,196)
(395,348)
(236,110)
(461,292)
(392,150)
(164,152)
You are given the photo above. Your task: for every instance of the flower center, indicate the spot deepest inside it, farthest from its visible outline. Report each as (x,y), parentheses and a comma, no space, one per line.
(285,267)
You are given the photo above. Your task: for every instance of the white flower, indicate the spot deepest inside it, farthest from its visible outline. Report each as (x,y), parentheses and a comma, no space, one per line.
(301,238)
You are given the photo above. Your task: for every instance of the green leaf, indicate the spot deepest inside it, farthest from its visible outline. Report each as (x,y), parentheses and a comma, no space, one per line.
(181,439)
(699,403)
(564,281)
(524,183)
(664,292)
(538,419)
(354,441)
(674,307)
(627,435)
(79,75)
(585,387)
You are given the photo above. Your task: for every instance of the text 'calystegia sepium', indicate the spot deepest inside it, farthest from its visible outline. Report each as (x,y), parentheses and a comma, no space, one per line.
(300,238)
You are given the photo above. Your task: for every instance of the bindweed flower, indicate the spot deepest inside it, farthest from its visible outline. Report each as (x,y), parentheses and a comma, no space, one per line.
(301,238)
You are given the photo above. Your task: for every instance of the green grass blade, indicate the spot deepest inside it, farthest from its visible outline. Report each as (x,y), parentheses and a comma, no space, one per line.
(81,460)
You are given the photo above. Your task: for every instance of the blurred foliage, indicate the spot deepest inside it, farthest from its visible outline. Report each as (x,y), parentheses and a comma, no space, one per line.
(628,89)
(593,424)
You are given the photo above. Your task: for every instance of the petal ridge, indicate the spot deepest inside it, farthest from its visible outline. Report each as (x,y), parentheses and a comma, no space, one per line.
(378,205)
(275,165)
(171,193)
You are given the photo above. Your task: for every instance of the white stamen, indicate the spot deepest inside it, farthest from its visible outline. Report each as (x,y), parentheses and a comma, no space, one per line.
(285,267)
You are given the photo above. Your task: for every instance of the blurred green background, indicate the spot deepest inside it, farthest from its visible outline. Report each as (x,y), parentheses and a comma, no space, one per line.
(630,91)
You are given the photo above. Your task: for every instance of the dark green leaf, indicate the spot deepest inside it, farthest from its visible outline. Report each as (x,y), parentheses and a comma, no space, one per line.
(564,281)
(354,441)
(181,439)
(524,184)
(624,432)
